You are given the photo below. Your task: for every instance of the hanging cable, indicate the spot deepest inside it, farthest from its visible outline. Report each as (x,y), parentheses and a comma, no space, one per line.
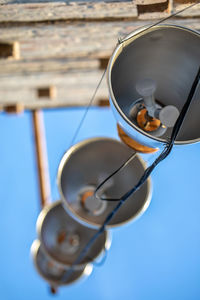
(163,155)
(166,151)
(148,171)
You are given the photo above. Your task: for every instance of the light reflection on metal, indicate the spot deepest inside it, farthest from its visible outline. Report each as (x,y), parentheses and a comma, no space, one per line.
(170,56)
(53,272)
(63,238)
(90,162)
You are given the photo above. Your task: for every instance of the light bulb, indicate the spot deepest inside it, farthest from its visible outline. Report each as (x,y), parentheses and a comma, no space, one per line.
(146,88)
(167,115)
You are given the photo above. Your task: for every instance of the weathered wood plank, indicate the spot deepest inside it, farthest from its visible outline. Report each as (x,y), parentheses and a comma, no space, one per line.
(189,13)
(152,6)
(149,2)
(54,78)
(36,12)
(153,16)
(177,6)
(72,40)
(185,1)
(91,39)
(102,11)
(47,65)
(6,2)
(41,2)
(64,54)
(72,89)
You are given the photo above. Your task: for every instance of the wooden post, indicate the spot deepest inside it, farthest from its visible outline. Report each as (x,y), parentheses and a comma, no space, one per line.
(42,159)
(42,162)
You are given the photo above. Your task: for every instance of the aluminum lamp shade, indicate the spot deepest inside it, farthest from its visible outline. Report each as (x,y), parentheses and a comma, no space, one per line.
(52,272)
(63,238)
(170,56)
(86,165)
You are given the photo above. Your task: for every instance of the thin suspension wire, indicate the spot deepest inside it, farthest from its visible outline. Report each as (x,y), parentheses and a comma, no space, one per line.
(120,42)
(161,21)
(101,79)
(87,109)
(148,171)
(82,120)
(93,97)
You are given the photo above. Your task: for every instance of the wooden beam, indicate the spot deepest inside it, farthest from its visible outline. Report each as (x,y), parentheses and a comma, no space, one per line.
(69,11)
(193,12)
(28,67)
(48,92)
(89,11)
(73,89)
(16,108)
(80,40)
(9,50)
(149,6)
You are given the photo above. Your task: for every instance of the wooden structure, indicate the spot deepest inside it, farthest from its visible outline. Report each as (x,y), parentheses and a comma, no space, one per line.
(52,54)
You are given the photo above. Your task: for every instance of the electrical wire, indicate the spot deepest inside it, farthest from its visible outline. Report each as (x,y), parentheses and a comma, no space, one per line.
(121,41)
(166,151)
(148,171)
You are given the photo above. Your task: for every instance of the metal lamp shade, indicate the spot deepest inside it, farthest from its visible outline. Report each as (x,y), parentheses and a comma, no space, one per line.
(52,272)
(54,222)
(170,56)
(87,164)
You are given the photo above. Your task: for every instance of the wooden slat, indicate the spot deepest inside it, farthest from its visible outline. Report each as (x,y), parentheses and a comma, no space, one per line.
(9,50)
(72,89)
(149,2)
(37,12)
(48,92)
(149,6)
(177,6)
(88,11)
(65,45)
(153,16)
(73,40)
(27,67)
(81,39)
(16,108)
(6,2)
(191,12)
(188,2)
(74,84)
(91,39)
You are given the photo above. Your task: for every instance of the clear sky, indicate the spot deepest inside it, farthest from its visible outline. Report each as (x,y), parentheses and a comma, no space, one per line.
(155,257)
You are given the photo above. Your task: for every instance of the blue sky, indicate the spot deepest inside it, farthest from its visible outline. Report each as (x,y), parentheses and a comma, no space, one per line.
(155,257)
